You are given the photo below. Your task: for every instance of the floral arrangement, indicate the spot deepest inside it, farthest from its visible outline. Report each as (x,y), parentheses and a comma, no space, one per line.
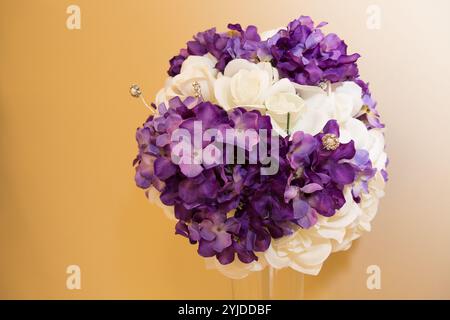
(267,150)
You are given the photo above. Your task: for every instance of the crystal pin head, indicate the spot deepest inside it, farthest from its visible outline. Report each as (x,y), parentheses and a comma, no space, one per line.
(330,142)
(135,91)
(197,89)
(323,85)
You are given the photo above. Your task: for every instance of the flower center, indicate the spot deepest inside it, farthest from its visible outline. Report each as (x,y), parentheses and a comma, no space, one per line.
(330,141)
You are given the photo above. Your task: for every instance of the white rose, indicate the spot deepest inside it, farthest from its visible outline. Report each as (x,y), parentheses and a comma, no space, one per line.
(334,228)
(200,69)
(356,130)
(346,96)
(302,117)
(376,149)
(368,209)
(370,201)
(244,84)
(341,102)
(304,251)
(283,100)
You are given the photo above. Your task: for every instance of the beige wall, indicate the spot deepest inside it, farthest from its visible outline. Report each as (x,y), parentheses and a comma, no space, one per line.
(67,123)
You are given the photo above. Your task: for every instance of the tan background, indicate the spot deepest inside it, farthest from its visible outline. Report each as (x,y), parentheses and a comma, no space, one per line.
(67,123)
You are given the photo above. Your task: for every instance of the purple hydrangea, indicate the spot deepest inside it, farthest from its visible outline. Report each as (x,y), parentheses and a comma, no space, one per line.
(301,52)
(236,43)
(304,54)
(318,175)
(232,210)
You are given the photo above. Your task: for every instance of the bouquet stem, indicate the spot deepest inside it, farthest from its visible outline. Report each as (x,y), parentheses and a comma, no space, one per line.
(270,284)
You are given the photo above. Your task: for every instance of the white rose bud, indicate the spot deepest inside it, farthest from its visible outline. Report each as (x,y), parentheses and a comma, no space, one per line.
(282,101)
(195,69)
(244,84)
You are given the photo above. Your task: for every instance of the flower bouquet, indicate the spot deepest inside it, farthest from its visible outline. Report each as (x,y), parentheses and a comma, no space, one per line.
(266,149)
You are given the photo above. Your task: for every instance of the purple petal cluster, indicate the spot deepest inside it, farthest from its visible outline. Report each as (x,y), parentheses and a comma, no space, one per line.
(232,210)
(236,43)
(369,114)
(319,175)
(304,54)
(362,163)
(301,52)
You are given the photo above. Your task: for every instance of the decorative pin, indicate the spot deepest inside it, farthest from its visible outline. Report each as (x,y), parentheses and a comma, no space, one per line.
(325,86)
(136,92)
(330,142)
(197,89)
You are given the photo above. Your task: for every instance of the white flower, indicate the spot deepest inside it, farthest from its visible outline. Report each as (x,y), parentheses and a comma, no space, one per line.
(343,98)
(376,149)
(369,201)
(200,69)
(307,250)
(257,86)
(334,228)
(283,100)
(368,209)
(244,84)
(304,251)
(342,102)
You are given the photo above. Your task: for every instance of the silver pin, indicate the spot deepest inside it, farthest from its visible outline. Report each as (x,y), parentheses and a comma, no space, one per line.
(197,90)
(325,86)
(136,92)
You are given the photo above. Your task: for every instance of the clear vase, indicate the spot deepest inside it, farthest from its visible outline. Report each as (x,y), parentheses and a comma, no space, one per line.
(270,284)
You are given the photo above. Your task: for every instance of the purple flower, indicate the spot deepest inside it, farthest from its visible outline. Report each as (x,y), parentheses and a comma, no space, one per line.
(231,210)
(302,146)
(368,114)
(145,171)
(217,230)
(145,161)
(236,43)
(202,195)
(305,55)
(364,170)
(176,62)
(270,212)
(316,185)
